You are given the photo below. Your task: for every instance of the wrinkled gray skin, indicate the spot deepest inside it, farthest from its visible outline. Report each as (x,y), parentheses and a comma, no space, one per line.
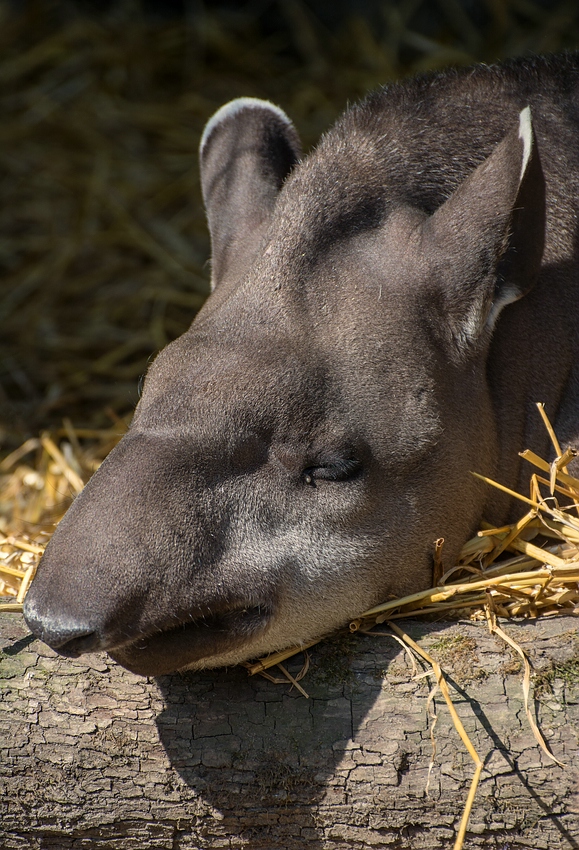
(295,454)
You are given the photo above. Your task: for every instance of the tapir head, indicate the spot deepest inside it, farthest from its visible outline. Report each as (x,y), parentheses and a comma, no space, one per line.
(295,454)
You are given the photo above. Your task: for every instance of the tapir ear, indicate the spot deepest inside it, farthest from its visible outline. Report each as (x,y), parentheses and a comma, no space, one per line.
(247,150)
(486,241)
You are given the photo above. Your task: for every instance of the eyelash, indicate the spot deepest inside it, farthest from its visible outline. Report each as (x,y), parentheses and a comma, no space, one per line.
(341,469)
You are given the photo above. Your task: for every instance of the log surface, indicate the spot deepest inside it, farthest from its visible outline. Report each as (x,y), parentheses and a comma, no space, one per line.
(95,757)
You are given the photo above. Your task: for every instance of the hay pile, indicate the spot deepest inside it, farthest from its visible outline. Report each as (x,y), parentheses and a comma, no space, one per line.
(38,481)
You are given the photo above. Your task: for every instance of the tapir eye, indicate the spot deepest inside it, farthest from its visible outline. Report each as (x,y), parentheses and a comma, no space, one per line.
(336,469)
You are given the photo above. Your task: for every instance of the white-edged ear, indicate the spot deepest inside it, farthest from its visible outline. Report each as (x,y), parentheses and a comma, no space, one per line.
(526,136)
(247,150)
(486,241)
(520,264)
(230,110)
(507,294)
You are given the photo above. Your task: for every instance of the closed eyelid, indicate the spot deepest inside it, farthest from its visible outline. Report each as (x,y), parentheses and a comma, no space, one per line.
(337,469)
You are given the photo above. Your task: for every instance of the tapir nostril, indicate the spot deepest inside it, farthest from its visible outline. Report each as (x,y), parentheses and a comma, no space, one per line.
(68,637)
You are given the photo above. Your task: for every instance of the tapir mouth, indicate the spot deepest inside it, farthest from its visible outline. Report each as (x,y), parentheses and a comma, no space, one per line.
(148,641)
(178,647)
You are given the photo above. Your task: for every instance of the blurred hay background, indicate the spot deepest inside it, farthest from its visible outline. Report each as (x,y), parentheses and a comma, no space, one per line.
(103,244)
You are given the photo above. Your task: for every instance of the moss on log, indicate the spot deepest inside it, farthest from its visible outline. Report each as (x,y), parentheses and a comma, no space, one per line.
(95,757)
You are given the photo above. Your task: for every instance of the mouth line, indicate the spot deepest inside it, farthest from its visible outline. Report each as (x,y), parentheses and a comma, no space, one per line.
(222,623)
(173,648)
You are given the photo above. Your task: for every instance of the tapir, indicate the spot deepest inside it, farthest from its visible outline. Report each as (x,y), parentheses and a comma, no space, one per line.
(385,312)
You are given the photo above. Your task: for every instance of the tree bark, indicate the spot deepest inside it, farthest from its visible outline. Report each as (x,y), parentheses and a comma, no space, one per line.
(95,757)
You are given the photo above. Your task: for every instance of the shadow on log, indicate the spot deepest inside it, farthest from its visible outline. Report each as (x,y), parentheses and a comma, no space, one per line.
(95,757)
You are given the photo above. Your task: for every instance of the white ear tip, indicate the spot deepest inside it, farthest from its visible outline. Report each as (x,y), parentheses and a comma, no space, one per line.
(526,136)
(230,109)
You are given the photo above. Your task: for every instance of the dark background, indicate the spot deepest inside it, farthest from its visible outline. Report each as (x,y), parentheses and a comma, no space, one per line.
(103,246)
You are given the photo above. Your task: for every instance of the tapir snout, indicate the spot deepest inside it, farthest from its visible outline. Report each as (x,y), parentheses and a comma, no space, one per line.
(383,318)
(153,593)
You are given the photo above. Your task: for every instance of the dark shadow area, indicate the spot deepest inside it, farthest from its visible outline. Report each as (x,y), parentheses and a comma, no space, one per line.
(261,753)
(269,760)
(19,645)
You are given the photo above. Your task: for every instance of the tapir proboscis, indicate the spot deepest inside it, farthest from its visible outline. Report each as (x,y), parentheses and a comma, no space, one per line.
(385,312)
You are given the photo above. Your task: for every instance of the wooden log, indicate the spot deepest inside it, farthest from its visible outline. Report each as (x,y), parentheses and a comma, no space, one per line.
(95,757)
